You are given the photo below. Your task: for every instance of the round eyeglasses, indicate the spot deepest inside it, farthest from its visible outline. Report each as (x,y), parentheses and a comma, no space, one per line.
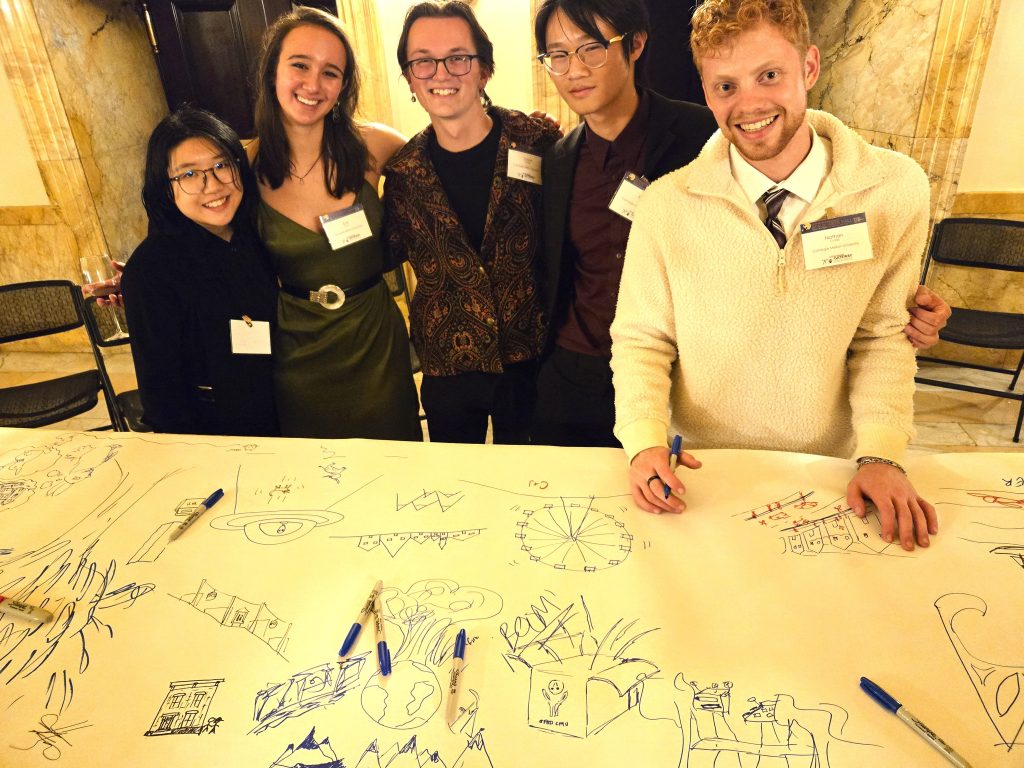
(193,181)
(456,64)
(591,55)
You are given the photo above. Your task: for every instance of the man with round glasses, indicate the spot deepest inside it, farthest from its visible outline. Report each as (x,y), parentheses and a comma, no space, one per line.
(462,205)
(629,136)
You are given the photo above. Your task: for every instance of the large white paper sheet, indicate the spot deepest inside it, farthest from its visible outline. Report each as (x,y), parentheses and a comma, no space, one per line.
(732,635)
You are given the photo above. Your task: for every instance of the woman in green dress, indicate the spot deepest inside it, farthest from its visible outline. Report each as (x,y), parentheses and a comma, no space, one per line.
(341,351)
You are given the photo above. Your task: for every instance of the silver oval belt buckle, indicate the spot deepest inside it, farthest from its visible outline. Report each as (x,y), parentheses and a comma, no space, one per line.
(322,296)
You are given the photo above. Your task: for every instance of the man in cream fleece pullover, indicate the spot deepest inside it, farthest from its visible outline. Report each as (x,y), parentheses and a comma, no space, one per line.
(737,327)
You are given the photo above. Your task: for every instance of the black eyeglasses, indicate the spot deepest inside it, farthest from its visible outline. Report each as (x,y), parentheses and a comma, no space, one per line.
(193,181)
(456,64)
(591,55)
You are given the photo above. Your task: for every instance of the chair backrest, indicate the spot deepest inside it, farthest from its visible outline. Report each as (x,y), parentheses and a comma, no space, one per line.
(986,243)
(39,308)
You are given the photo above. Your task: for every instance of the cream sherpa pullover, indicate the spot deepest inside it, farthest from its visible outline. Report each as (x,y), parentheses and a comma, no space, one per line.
(737,345)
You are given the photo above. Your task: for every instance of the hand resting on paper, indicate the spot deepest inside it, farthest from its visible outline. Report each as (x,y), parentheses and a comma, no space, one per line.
(900,509)
(107,291)
(649,473)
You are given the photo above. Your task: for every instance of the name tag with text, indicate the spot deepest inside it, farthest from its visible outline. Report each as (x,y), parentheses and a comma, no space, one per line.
(627,195)
(524,165)
(837,241)
(250,337)
(347,226)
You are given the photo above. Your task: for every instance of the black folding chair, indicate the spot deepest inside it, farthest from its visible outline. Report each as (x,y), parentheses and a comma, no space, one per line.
(42,308)
(981,244)
(105,331)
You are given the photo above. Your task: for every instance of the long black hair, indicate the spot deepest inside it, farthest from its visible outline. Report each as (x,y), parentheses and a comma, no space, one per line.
(343,150)
(158,195)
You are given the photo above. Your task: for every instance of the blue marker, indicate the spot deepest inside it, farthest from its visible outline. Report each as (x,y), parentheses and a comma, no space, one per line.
(360,622)
(673,458)
(383,654)
(875,692)
(213,499)
(458,662)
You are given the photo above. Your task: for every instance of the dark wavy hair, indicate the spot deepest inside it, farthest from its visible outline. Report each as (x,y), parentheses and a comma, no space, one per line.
(624,16)
(158,196)
(343,150)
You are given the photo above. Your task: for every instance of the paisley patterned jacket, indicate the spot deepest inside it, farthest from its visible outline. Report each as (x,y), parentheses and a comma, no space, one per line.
(472,310)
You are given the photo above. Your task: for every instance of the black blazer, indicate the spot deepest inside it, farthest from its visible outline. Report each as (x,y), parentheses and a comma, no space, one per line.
(676,132)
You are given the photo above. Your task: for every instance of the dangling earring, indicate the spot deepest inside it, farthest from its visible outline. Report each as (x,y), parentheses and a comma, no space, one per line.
(336,110)
(414,98)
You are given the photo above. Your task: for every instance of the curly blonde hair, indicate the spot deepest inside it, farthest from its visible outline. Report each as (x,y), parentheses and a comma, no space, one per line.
(716,22)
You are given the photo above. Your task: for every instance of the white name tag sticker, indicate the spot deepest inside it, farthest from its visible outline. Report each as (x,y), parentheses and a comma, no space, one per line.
(524,165)
(628,195)
(347,226)
(250,337)
(833,242)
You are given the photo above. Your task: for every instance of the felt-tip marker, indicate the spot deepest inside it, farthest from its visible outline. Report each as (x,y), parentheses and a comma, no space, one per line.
(25,611)
(876,692)
(383,654)
(210,501)
(673,459)
(360,622)
(458,662)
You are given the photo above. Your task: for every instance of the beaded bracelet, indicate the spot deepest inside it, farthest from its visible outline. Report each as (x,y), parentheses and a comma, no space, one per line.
(878,460)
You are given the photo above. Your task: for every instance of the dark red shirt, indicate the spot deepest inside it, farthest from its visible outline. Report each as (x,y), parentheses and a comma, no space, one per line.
(598,235)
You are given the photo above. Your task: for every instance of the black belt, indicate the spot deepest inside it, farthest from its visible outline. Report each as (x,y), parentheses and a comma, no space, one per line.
(322,294)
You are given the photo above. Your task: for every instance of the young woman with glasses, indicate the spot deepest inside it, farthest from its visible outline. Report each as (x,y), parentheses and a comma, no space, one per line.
(200,294)
(462,202)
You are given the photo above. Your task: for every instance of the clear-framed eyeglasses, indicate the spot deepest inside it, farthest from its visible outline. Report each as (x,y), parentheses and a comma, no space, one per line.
(456,64)
(591,55)
(193,181)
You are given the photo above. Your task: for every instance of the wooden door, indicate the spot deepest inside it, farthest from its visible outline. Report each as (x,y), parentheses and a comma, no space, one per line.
(206,51)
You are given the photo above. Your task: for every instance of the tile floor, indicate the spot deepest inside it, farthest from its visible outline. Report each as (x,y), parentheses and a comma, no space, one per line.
(946,420)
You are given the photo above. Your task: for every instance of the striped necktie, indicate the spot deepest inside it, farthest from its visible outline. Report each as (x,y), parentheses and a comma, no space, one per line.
(773,200)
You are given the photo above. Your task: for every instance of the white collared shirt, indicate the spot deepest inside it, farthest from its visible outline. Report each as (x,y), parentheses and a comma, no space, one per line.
(802,184)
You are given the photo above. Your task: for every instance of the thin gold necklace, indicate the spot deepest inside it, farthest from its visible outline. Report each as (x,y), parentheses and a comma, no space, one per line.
(302,178)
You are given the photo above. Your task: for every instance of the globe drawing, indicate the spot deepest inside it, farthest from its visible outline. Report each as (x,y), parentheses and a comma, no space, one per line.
(408,699)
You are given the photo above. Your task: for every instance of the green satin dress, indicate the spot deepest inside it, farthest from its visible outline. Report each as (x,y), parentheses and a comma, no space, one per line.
(344,372)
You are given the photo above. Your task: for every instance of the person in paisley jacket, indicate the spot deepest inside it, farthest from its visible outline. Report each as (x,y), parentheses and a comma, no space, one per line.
(462,204)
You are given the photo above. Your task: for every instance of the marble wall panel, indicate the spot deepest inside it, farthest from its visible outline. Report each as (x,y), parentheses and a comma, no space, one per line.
(875,58)
(111,92)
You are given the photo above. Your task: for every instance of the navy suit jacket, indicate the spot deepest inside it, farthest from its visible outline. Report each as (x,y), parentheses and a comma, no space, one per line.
(676,132)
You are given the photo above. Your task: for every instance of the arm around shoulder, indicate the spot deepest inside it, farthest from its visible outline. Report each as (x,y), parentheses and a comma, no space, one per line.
(382,141)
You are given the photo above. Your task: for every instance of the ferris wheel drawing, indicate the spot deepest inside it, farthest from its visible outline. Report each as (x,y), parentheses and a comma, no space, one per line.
(572,534)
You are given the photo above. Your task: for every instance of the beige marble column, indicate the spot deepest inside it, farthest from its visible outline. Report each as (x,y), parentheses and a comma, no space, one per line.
(71,223)
(88,94)
(906,75)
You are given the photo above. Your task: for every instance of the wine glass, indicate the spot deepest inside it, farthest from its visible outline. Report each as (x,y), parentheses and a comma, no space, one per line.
(97,269)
